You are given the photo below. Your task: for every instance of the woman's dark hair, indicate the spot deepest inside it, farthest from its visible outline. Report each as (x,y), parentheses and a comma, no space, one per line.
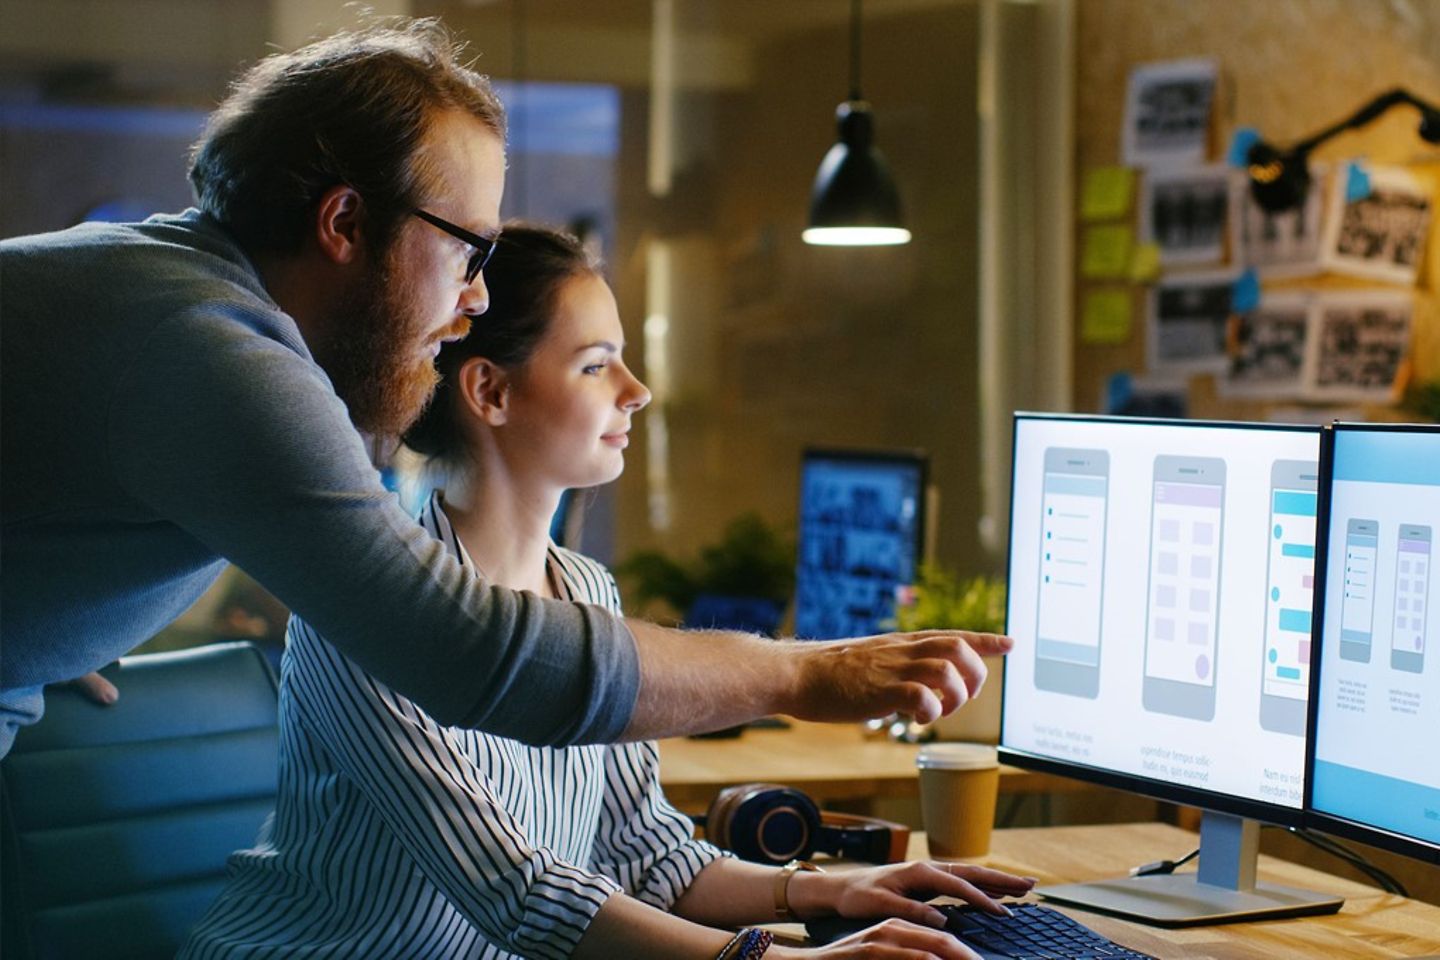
(525,274)
(349,109)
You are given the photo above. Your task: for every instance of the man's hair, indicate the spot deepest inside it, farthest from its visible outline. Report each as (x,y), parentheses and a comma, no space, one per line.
(525,275)
(350,109)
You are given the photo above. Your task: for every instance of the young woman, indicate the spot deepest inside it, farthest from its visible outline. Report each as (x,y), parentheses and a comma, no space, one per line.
(394,836)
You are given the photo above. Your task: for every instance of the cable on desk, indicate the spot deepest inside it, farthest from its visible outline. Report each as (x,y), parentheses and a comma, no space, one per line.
(1387,883)
(1161,867)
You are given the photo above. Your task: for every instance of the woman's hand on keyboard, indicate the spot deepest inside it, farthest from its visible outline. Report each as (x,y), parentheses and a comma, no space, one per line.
(888,940)
(901,889)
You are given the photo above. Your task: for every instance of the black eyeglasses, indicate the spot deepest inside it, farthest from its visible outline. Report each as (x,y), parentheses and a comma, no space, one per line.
(483,247)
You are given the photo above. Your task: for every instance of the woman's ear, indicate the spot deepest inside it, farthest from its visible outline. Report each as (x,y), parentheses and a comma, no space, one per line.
(485,388)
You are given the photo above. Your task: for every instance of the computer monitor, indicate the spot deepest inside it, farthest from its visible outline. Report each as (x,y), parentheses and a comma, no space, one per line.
(1160,580)
(862,522)
(1375,697)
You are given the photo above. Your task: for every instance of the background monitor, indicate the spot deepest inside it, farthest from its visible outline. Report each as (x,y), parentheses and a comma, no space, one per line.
(1375,764)
(1160,584)
(862,522)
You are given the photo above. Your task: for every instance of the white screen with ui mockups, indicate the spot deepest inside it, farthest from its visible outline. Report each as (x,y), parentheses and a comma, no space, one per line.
(1377,753)
(1152,569)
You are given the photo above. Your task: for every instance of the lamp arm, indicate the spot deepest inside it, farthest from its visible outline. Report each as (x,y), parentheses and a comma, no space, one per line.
(1364,115)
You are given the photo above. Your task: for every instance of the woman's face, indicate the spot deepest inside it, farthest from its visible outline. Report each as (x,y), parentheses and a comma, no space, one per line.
(570,404)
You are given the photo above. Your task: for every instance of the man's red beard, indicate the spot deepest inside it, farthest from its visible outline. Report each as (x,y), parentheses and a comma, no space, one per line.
(376,358)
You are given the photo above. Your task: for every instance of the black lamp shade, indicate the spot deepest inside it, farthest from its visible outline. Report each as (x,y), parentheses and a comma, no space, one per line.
(854,200)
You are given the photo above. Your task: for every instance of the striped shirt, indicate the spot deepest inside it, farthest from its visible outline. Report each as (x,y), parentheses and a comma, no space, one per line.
(394,836)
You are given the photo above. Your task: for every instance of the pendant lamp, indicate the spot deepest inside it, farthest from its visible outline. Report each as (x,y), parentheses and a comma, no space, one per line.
(854,201)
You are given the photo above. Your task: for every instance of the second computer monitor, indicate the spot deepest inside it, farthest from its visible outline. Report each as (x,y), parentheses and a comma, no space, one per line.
(1161,577)
(862,520)
(1376,759)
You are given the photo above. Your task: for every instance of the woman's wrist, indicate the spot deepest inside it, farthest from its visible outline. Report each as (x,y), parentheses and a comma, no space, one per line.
(810,894)
(778,952)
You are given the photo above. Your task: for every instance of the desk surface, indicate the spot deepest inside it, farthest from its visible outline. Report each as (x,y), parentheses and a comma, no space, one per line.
(1372,924)
(828,761)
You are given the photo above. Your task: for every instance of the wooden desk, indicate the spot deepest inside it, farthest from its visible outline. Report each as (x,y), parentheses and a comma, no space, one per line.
(828,761)
(1372,924)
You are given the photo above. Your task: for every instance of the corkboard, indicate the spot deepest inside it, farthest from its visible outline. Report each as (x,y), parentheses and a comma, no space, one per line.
(1286,68)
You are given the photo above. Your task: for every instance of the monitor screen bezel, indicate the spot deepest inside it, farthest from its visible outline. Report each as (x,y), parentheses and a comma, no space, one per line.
(1145,786)
(1318,819)
(906,457)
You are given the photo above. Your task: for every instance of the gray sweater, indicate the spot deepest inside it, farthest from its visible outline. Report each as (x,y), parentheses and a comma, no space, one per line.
(159,415)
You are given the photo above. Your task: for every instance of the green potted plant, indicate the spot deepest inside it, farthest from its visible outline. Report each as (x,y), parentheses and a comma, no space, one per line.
(941,600)
(742,582)
(1424,399)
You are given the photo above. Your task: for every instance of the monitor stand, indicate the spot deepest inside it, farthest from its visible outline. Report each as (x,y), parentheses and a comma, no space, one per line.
(1224,890)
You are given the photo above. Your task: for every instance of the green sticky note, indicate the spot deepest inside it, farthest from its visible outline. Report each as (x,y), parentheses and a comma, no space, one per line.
(1105,193)
(1145,262)
(1106,252)
(1105,316)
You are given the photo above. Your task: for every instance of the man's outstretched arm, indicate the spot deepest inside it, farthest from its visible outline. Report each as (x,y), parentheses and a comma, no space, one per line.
(692,682)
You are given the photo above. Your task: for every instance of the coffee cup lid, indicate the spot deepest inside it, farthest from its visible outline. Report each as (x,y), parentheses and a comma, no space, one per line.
(957,756)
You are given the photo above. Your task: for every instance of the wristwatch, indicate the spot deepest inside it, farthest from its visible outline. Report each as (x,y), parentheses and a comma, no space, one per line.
(783,913)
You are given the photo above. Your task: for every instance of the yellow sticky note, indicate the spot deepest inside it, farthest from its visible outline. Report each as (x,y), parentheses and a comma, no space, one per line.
(1145,263)
(1106,252)
(1105,193)
(1105,316)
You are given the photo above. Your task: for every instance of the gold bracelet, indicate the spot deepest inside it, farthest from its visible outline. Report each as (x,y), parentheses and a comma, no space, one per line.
(783,913)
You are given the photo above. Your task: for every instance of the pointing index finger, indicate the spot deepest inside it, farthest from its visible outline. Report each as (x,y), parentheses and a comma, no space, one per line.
(989,644)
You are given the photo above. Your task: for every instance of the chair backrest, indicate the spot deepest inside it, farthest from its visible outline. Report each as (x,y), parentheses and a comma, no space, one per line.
(118,820)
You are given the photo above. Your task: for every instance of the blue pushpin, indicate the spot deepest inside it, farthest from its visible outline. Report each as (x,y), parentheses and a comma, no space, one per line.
(1357,183)
(1118,391)
(1245,294)
(1240,144)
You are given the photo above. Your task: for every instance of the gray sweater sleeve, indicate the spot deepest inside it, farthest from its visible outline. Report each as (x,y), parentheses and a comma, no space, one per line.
(223,426)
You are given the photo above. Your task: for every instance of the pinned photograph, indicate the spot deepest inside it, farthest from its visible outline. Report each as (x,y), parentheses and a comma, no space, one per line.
(1183,211)
(1268,348)
(1377,224)
(1167,113)
(1284,244)
(1358,342)
(1187,323)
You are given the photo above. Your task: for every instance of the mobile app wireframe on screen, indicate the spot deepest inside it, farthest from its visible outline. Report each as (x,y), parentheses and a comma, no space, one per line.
(1377,756)
(1160,619)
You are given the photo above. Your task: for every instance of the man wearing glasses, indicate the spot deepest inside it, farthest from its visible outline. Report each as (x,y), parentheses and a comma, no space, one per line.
(187,391)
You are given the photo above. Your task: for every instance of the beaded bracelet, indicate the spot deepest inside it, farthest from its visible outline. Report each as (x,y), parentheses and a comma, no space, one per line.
(756,943)
(749,944)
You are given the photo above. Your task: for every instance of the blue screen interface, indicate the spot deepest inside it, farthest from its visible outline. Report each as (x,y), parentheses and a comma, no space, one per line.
(859,540)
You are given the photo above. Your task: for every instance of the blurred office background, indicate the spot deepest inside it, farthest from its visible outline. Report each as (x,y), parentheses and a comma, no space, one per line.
(683,136)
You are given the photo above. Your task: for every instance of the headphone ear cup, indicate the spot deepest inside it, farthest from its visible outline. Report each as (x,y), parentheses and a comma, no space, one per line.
(771,824)
(717,818)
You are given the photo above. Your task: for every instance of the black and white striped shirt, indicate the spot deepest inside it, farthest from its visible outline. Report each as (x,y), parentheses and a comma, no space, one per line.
(396,837)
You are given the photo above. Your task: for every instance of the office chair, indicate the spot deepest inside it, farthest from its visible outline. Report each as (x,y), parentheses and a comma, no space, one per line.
(118,820)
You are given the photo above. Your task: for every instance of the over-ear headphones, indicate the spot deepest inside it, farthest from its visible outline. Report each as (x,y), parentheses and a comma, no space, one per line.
(769,823)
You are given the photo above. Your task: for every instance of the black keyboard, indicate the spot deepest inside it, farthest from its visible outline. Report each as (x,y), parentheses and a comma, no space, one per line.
(1034,932)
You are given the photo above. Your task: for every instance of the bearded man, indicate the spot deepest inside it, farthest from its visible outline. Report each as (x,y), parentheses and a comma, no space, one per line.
(186,391)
